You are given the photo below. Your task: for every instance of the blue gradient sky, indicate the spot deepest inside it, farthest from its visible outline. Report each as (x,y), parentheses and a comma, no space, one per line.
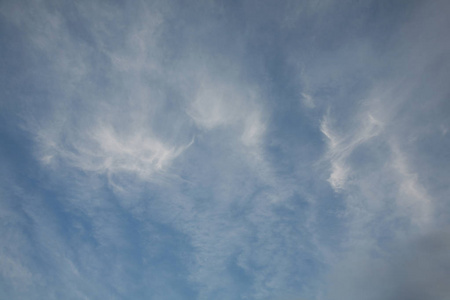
(226,150)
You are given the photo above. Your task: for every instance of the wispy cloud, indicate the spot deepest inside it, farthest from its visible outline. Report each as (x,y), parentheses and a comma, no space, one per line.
(340,147)
(148,120)
(252,150)
(374,165)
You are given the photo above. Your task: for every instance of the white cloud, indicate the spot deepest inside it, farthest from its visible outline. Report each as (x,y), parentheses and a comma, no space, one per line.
(185,140)
(143,131)
(340,147)
(87,126)
(102,150)
(308,100)
(412,196)
(220,102)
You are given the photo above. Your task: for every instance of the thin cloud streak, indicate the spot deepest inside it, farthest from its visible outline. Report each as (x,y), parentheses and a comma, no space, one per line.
(341,147)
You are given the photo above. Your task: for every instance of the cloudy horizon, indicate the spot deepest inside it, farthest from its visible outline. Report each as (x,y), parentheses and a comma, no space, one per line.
(278,150)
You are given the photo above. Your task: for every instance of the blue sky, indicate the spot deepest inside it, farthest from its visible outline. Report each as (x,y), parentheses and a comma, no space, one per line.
(282,150)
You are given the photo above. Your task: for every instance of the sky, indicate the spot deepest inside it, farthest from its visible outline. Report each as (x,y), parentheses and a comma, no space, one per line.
(226,150)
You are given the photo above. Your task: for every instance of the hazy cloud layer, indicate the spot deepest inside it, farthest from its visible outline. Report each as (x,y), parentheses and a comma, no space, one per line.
(222,150)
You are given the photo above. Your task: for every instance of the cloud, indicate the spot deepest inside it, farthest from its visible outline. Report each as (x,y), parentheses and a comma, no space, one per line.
(103,149)
(223,103)
(181,143)
(307,100)
(171,141)
(87,125)
(341,147)
(414,269)
(380,164)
